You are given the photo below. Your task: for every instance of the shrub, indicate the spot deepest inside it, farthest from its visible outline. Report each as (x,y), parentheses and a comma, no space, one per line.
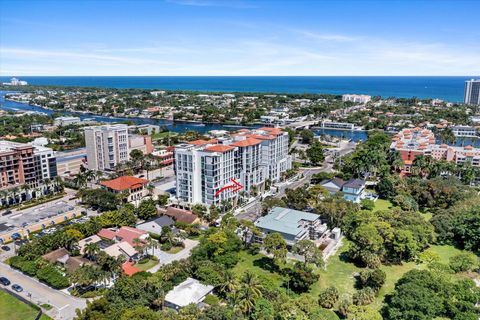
(364,296)
(166,246)
(328,297)
(26,266)
(367,204)
(51,276)
(464,261)
(372,278)
(211,300)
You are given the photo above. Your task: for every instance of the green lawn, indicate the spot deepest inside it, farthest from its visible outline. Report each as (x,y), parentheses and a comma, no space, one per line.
(339,272)
(174,250)
(258,264)
(13,309)
(161,135)
(147,265)
(382,204)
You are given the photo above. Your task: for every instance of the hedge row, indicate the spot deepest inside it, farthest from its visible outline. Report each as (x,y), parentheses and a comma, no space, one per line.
(46,273)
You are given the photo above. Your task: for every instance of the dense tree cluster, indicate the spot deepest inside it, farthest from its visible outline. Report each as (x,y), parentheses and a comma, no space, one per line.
(424,294)
(390,235)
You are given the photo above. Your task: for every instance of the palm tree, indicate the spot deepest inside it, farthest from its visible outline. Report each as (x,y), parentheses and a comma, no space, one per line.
(80,180)
(150,189)
(3,197)
(250,292)
(91,250)
(151,244)
(139,245)
(229,282)
(25,188)
(14,192)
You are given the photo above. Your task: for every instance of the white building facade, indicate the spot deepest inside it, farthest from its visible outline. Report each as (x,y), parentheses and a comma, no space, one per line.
(472,92)
(204,167)
(107,146)
(357,98)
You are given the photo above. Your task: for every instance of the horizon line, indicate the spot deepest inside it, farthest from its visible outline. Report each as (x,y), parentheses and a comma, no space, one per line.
(240,76)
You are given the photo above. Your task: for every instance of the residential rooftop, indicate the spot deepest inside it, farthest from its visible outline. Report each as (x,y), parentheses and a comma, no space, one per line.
(124,183)
(187,292)
(285,220)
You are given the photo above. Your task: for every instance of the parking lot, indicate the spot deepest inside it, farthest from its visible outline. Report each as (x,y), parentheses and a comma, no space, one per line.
(21,219)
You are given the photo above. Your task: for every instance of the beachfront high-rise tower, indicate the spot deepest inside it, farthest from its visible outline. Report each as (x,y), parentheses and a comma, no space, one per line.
(472,92)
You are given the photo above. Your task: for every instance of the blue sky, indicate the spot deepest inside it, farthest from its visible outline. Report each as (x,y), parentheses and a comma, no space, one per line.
(239,37)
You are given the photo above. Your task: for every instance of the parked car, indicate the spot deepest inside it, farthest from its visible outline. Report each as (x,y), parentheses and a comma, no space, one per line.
(17,288)
(6,212)
(4,281)
(5,248)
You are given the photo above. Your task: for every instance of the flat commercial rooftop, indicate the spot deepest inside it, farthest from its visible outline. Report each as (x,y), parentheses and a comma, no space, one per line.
(285,220)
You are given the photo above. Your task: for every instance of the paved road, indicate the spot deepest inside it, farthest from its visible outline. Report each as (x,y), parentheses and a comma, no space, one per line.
(253,210)
(166,258)
(63,304)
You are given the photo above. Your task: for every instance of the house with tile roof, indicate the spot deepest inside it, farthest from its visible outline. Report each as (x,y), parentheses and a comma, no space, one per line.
(180,215)
(135,188)
(131,235)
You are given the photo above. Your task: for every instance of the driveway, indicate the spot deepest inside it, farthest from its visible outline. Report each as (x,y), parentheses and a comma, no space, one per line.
(63,304)
(166,258)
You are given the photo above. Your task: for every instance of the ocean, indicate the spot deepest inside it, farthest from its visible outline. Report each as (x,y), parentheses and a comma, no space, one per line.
(445,88)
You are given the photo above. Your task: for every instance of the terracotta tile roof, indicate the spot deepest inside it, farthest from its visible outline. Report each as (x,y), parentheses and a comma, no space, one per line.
(261,137)
(124,183)
(246,143)
(181,215)
(243,130)
(107,234)
(129,269)
(219,148)
(275,131)
(129,234)
(201,141)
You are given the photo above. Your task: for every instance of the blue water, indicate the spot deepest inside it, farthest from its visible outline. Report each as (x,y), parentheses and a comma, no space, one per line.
(446,88)
(202,128)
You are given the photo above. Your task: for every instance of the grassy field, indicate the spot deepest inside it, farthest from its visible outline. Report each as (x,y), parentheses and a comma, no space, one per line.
(339,271)
(13,309)
(381,204)
(147,265)
(161,135)
(260,265)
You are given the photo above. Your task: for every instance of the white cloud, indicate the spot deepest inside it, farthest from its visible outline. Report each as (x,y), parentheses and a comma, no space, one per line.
(334,55)
(324,36)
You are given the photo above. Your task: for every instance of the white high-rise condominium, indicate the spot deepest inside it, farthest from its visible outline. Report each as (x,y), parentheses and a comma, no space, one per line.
(107,146)
(203,167)
(472,92)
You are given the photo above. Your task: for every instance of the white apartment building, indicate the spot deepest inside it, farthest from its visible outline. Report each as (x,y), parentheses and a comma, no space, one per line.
(107,146)
(45,162)
(65,121)
(357,98)
(464,131)
(203,167)
(472,92)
